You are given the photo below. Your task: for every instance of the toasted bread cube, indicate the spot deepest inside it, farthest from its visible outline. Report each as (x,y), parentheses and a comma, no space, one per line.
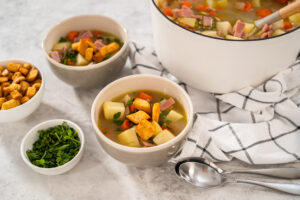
(24,86)
(38,81)
(138,116)
(2,68)
(24,99)
(2,100)
(158,129)
(142,104)
(110,48)
(3,79)
(27,66)
(156,112)
(16,75)
(33,73)
(10,75)
(174,116)
(1,91)
(89,54)
(31,91)
(129,138)
(163,137)
(98,57)
(75,46)
(5,84)
(111,108)
(13,67)
(16,94)
(9,97)
(19,79)
(82,47)
(5,72)
(37,86)
(24,71)
(12,87)
(91,44)
(145,129)
(10,104)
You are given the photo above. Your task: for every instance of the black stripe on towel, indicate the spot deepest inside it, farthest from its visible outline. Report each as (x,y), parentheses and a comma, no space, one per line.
(256,100)
(217,128)
(145,66)
(205,147)
(246,99)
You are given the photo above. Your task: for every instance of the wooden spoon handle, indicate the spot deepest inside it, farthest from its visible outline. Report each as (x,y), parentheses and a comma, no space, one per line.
(290,9)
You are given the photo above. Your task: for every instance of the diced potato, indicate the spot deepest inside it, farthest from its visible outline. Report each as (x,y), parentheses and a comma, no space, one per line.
(111,108)
(248,27)
(80,60)
(224,27)
(210,33)
(126,99)
(163,137)
(129,138)
(222,3)
(188,21)
(174,116)
(10,104)
(256,3)
(158,129)
(211,3)
(278,25)
(89,54)
(278,32)
(142,104)
(295,18)
(145,129)
(110,48)
(59,46)
(138,116)
(232,37)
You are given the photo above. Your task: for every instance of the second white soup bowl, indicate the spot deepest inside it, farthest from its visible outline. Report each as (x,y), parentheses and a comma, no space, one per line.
(141,157)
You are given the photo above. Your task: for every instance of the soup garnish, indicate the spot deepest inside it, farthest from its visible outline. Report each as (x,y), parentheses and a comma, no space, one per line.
(85,48)
(142,118)
(229,19)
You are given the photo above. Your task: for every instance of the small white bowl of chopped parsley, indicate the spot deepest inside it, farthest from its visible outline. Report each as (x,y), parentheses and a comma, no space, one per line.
(53,147)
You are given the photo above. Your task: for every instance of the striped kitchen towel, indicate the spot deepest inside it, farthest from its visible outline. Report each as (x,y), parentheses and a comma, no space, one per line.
(256,125)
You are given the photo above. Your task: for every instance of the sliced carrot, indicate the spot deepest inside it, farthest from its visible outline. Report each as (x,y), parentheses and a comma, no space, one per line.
(155,112)
(87,39)
(248,6)
(168,12)
(212,13)
(145,96)
(106,131)
(125,125)
(72,35)
(96,33)
(282,1)
(69,62)
(287,25)
(201,7)
(131,108)
(263,12)
(186,3)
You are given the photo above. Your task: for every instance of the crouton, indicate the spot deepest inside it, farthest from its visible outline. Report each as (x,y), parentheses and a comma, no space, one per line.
(36,86)
(24,71)
(142,104)
(3,79)
(31,92)
(10,104)
(16,94)
(13,67)
(110,48)
(82,47)
(24,86)
(27,66)
(156,112)
(145,129)
(5,72)
(25,99)
(2,100)
(88,54)
(98,57)
(19,79)
(33,73)
(138,116)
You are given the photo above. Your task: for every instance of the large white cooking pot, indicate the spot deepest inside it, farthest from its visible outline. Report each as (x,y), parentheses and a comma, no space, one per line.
(219,65)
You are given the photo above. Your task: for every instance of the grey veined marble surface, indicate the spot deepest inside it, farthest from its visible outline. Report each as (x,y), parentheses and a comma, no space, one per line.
(23,24)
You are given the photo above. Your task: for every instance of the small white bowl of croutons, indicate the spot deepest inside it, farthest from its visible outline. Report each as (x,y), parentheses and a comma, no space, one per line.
(21,89)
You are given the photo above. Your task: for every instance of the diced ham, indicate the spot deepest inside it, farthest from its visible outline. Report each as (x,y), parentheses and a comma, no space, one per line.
(265,28)
(270,32)
(176,13)
(145,143)
(207,21)
(99,44)
(238,28)
(240,5)
(62,53)
(86,34)
(127,111)
(186,12)
(244,35)
(264,35)
(55,55)
(198,17)
(166,104)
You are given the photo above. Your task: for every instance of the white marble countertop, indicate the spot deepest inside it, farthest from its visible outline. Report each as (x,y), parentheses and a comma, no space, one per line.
(23,25)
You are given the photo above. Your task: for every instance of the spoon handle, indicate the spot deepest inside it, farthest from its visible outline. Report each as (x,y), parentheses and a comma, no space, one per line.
(291,188)
(290,9)
(287,173)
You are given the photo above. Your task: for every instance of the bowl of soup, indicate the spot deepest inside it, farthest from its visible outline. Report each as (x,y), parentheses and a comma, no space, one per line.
(207,43)
(86,50)
(141,120)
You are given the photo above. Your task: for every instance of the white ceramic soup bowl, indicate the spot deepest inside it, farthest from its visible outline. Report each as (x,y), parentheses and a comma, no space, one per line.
(90,75)
(33,136)
(23,110)
(141,157)
(218,65)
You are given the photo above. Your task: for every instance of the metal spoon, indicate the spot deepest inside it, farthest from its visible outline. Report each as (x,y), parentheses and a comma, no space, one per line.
(283,13)
(284,172)
(205,176)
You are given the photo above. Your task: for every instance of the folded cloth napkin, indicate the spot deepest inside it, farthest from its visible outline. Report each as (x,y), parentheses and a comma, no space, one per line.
(256,125)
